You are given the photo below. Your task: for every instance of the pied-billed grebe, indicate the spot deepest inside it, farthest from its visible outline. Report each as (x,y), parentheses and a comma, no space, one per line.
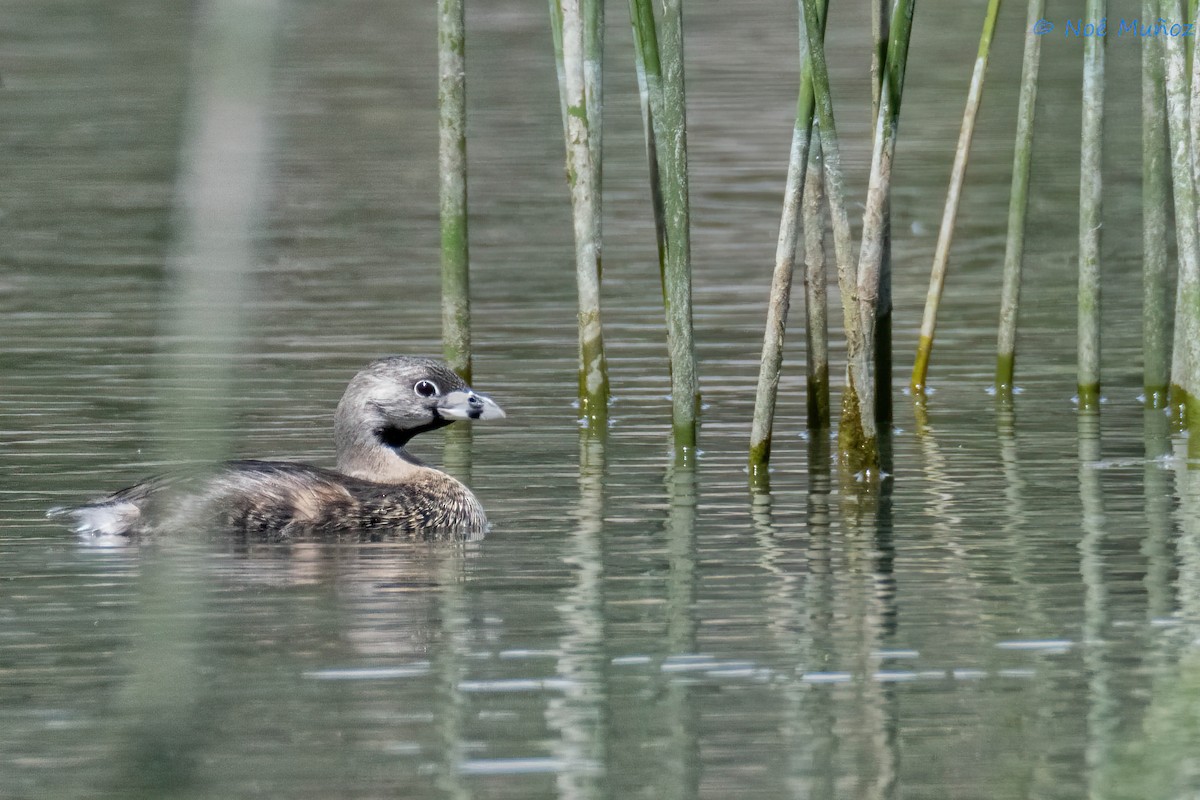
(378,489)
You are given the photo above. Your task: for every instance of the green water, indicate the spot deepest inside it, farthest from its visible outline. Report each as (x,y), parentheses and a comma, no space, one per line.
(1017,616)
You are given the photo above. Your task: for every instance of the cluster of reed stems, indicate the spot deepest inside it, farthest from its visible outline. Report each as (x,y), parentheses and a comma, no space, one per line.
(815,186)
(1171,104)
(1170,134)
(577,27)
(864,283)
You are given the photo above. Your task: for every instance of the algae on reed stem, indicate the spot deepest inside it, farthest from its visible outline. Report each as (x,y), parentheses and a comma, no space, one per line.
(1090,205)
(941,257)
(1155,296)
(452,171)
(662,59)
(771,361)
(581,178)
(1018,202)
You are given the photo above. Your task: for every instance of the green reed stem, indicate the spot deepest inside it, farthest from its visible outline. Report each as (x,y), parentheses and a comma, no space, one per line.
(1185,367)
(941,257)
(685,390)
(663,66)
(452,171)
(872,256)
(649,74)
(1192,11)
(1090,203)
(556,23)
(1187,332)
(593,367)
(857,441)
(816,310)
(1155,297)
(771,361)
(881,21)
(1184,193)
(879,47)
(1194,83)
(593,84)
(1018,202)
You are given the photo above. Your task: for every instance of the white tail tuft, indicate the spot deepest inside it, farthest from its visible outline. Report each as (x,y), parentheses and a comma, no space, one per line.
(108,519)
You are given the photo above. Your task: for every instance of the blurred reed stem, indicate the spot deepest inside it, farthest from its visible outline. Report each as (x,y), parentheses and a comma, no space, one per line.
(1155,278)
(1090,205)
(581,178)
(941,257)
(771,361)
(662,60)
(452,172)
(1018,203)
(162,706)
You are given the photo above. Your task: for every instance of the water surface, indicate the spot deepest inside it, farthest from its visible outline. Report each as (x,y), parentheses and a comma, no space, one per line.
(1015,617)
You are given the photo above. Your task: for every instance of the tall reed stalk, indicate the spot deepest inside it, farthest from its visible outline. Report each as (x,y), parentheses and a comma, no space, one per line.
(1155,296)
(816,310)
(649,73)
(556,34)
(1090,204)
(452,170)
(872,255)
(1187,230)
(1194,83)
(593,86)
(685,389)
(1018,202)
(857,441)
(881,18)
(662,59)
(1187,331)
(941,257)
(879,42)
(771,361)
(581,177)
(1192,12)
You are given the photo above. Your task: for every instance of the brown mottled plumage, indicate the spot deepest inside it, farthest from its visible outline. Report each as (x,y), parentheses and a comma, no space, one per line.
(378,489)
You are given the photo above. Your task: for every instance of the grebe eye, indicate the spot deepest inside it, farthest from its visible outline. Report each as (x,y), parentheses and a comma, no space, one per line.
(426,388)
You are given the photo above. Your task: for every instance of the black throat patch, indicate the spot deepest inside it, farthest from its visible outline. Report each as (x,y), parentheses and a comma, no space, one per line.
(397,438)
